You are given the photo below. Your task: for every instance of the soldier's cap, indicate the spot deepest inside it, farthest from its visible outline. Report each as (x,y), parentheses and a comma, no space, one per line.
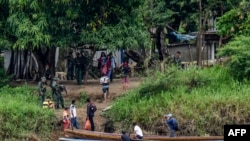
(43,78)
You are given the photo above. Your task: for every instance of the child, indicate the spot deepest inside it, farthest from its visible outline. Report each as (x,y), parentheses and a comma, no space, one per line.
(66,119)
(48,104)
(104,81)
(125,72)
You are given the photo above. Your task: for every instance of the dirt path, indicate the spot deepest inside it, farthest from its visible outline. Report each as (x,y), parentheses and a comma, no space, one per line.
(94,91)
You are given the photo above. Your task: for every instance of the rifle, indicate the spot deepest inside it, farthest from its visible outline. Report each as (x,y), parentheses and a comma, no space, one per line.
(63,88)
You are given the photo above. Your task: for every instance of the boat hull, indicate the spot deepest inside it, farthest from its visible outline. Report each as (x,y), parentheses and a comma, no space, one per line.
(84,134)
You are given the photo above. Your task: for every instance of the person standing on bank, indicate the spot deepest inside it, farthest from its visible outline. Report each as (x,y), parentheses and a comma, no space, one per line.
(172,123)
(91,108)
(79,73)
(84,63)
(177,59)
(102,61)
(104,81)
(137,131)
(70,66)
(111,66)
(42,90)
(125,72)
(73,117)
(48,74)
(57,93)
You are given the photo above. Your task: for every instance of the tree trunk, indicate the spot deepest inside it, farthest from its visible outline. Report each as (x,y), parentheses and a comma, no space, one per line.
(158,41)
(221,37)
(135,56)
(200,36)
(51,60)
(27,64)
(147,58)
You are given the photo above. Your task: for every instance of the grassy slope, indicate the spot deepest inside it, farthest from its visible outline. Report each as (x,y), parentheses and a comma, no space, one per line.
(202,101)
(21,116)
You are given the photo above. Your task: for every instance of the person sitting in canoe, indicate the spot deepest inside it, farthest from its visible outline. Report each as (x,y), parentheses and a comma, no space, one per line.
(137,131)
(125,136)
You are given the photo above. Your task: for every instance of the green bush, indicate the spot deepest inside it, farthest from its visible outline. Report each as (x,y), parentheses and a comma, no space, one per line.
(239,52)
(4,79)
(21,115)
(215,100)
(83,97)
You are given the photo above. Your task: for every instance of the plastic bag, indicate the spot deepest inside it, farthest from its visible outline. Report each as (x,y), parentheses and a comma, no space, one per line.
(87,125)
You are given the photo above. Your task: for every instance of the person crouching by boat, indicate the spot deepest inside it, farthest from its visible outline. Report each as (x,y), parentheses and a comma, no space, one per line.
(172,123)
(48,103)
(66,119)
(137,131)
(73,117)
(125,136)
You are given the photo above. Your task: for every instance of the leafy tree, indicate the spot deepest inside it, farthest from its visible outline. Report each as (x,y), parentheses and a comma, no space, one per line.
(43,25)
(238,51)
(236,21)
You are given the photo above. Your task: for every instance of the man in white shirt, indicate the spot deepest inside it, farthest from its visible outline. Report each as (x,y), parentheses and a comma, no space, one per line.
(137,131)
(104,81)
(73,117)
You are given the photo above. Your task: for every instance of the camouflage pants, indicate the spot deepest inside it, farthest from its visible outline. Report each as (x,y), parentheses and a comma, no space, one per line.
(58,99)
(79,76)
(70,73)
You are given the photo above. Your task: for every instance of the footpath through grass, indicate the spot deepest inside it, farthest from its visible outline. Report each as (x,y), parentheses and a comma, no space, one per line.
(21,116)
(203,100)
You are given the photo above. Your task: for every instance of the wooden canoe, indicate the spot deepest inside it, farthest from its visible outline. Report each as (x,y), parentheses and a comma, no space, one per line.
(84,134)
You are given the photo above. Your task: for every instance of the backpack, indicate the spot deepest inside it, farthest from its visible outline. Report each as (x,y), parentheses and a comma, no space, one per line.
(176,127)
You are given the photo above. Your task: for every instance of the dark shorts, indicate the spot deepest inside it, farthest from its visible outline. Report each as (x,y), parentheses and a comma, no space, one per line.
(105,90)
(139,137)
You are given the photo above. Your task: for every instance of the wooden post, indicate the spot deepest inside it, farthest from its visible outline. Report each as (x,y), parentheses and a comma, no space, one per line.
(200,36)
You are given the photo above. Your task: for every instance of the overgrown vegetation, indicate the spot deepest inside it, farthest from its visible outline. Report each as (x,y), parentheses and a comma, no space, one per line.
(83,97)
(203,100)
(239,53)
(22,117)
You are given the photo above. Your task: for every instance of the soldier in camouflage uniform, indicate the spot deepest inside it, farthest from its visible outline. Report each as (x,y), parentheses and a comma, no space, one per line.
(57,93)
(70,66)
(42,90)
(84,61)
(79,71)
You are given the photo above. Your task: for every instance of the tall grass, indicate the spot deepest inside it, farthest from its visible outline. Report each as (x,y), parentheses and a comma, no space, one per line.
(203,100)
(22,116)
